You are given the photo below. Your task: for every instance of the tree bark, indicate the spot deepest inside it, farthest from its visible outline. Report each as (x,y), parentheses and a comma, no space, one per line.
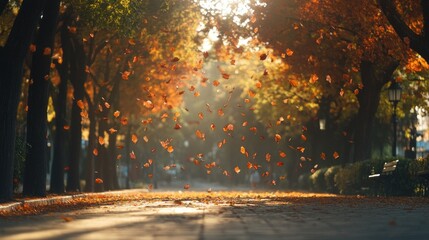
(369,99)
(61,134)
(36,161)
(11,64)
(77,77)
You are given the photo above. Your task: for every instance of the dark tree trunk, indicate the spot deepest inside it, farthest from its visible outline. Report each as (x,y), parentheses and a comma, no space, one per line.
(36,161)
(419,43)
(89,177)
(77,77)
(11,64)
(369,99)
(61,134)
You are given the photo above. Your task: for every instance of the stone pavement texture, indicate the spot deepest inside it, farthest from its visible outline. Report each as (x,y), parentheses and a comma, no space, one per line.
(242,216)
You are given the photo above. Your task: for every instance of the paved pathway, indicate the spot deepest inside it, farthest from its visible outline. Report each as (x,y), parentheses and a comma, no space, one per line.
(245,218)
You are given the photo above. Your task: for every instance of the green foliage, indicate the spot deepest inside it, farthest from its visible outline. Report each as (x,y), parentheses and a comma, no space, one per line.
(124,17)
(317,180)
(329,176)
(353,179)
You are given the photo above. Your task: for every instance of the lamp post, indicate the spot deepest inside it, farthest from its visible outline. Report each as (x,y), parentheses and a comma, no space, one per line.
(395,92)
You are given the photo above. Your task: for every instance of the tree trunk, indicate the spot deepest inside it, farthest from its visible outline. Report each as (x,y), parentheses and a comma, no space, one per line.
(419,43)
(11,64)
(36,161)
(78,78)
(61,134)
(369,99)
(89,177)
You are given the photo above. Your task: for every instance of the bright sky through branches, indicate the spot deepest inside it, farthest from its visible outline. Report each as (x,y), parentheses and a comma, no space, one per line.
(240,11)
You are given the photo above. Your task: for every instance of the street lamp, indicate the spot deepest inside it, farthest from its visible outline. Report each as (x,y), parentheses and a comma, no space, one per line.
(395,92)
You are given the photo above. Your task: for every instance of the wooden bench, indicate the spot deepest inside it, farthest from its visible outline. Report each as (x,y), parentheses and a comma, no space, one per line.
(388,170)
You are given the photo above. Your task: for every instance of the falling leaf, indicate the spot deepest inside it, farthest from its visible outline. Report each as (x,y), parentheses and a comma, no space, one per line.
(175,59)
(279,164)
(80,104)
(225,75)
(301,149)
(336,155)
(220,112)
(132,155)
(237,170)
(212,127)
(323,156)
(251,93)
(356,91)
(98,180)
(47,51)
(126,75)
(146,139)
(95,152)
(205,54)
(282,154)
(243,150)
(341,92)
(116,114)
(200,115)
(277,138)
(328,79)
(101,140)
(32,48)
(216,83)
(124,121)
(293,82)
(263,56)
(268,157)
(134,138)
(66,127)
(177,126)
(170,149)
(258,84)
(187,186)
(314,78)
(289,52)
(303,137)
(148,104)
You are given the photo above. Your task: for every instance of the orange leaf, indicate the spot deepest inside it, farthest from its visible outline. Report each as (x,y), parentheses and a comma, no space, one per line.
(101,140)
(279,164)
(237,170)
(216,83)
(282,154)
(132,155)
(263,56)
(212,127)
(303,137)
(98,180)
(258,84)
(289,52)
(220,112)
(170,149)
(177,126)
(187,186)
(323,156)
(95,152)
(277,138)
(80,104)
(268,157)
(116,114)
(243,150)
(336,155)
(175,59)
(148,104)
(134,138)
(146,139)
(225,75)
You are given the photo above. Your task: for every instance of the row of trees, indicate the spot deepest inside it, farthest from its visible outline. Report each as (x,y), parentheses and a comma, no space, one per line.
(293,60)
